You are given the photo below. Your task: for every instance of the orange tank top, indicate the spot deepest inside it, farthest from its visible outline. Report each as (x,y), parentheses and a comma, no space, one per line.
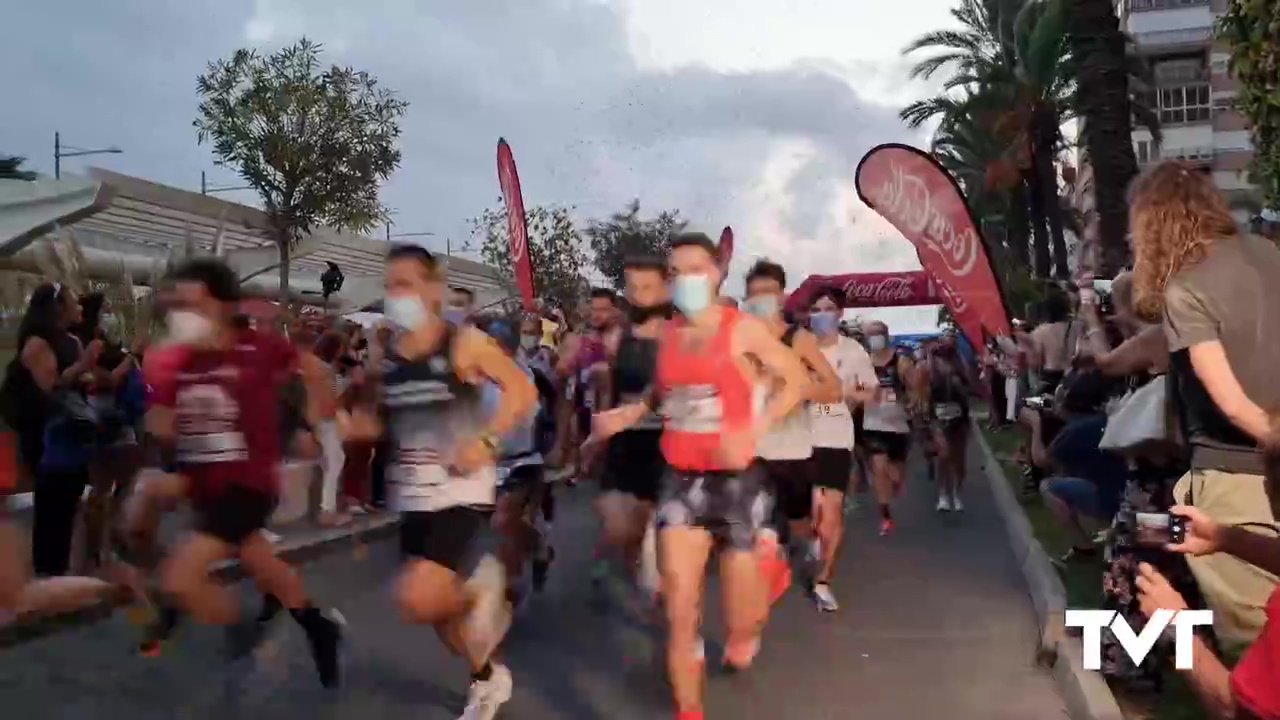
(704,393)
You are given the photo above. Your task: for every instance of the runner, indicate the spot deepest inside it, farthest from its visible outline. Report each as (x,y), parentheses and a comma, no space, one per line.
(787,449)
(633,463)
(539,358)
(714,491)
(583,372)
(443,479)
(219,414)
(519,474)
(949,387)
(833,437)
(886,431)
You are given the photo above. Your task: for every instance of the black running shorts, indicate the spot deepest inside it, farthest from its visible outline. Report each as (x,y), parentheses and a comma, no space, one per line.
(634,464)
(791,483)
(521,477)
(445,537)
(233,513)
(879,442)
(832,468)
(731,505)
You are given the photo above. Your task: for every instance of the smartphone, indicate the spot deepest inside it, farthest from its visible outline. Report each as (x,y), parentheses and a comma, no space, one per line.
(1159,529)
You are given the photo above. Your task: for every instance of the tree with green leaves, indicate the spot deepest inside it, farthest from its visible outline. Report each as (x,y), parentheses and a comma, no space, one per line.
(556,252)
(11,168)
(627,234)
(314,142)
(1251,28)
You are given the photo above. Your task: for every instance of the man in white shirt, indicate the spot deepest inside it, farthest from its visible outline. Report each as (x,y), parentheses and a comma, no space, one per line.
(833,436)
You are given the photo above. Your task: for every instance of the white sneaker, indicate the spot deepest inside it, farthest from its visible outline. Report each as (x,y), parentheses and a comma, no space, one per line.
(824,598)
(486,696)
(956,503)
(490,616)
(944,503)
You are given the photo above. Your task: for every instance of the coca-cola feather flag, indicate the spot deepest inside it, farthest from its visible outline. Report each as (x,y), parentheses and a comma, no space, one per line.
(921,199)
(517,231)
(726,250)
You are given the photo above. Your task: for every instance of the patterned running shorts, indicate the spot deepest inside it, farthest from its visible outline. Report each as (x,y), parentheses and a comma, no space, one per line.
(731,505)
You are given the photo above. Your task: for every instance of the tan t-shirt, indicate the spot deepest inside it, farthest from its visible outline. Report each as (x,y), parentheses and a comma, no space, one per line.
(1232,296)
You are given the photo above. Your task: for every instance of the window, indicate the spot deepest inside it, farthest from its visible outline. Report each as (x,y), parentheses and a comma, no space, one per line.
(1164,4)
(1184,104)
(1145,150)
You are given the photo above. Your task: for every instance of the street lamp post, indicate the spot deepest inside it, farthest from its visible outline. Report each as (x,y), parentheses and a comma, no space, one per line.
(59,152)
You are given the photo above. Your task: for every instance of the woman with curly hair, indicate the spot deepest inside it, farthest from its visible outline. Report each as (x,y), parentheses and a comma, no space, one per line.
(1219,290)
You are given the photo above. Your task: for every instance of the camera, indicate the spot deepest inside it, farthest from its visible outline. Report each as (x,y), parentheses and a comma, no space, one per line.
(1040,402)
(1159,529)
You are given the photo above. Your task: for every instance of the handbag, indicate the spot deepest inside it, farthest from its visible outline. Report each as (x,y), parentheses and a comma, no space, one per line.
(1140,418)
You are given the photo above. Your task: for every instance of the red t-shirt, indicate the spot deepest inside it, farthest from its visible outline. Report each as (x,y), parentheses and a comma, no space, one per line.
(1255,681)
(226,412)
(160,366)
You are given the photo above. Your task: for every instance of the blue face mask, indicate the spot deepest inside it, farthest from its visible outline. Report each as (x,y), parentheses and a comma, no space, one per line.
(762,306)
(823,322)
(455,316)
(408,312)
(691,293)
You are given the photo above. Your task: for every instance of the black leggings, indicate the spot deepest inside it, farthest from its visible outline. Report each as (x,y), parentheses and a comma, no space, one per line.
(57,502)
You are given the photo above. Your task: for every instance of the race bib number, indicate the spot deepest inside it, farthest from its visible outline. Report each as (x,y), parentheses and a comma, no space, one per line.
(947,411)
(694,409)
(649,421)
(207,420)
(821,410)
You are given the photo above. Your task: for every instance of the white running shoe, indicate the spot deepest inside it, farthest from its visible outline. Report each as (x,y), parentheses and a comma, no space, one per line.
(944,503)
(486,696)
(824,598)
(490,615)
(956,503)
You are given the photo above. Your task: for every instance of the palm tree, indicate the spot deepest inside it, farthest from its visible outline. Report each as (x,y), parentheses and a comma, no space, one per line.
(1103,71)
(11,168)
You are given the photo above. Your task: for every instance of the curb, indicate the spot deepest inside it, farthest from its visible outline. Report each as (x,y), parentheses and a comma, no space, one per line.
(1086,693)
(296,552)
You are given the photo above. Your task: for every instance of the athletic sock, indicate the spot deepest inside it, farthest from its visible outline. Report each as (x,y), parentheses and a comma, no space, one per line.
(483,674)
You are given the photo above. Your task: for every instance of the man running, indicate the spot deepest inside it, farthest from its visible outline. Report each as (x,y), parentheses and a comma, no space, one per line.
(833,436)
(633,463)
(540,360)
(787,448)
(582,370)
(886,430)
(714,492)
(218,412)
(948,386)
(442,477)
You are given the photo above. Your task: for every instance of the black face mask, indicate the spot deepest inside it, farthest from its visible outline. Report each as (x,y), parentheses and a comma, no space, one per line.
(643,313)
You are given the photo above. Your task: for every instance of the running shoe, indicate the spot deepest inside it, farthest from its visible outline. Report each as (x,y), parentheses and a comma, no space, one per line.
(485,697)
(957,504)
(824,598)
(944,503)
(542,566)
(739,658)
(325,639)
(490,616)
(886,527)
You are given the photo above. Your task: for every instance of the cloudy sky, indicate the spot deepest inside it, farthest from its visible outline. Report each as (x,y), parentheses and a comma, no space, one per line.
(751,113)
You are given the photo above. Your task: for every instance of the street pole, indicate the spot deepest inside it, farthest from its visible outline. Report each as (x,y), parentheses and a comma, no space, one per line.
(57,155)
(204,186)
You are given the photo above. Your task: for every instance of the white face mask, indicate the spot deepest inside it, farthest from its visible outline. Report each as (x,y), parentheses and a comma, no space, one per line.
(876,343)
(408,312)
(529,342)
(188,327)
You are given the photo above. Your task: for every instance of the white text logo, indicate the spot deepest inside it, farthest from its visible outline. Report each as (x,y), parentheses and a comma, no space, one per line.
(1138,645)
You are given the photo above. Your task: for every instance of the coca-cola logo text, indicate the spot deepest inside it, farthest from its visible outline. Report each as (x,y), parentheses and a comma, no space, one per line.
(906,200)
(886,290)
(515,223)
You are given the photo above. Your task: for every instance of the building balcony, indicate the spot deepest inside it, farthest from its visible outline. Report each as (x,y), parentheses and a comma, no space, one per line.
(1137,6)
(1197,157)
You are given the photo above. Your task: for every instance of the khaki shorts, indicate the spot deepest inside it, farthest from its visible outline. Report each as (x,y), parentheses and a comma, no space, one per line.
(1234,590)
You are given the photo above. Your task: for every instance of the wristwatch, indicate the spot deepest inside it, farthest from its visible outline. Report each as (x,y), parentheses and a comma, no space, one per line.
(490,440)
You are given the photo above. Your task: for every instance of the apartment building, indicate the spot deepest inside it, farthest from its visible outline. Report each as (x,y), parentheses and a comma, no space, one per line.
(1194,93)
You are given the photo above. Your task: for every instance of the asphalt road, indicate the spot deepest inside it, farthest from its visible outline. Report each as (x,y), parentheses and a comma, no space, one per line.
(935,623)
